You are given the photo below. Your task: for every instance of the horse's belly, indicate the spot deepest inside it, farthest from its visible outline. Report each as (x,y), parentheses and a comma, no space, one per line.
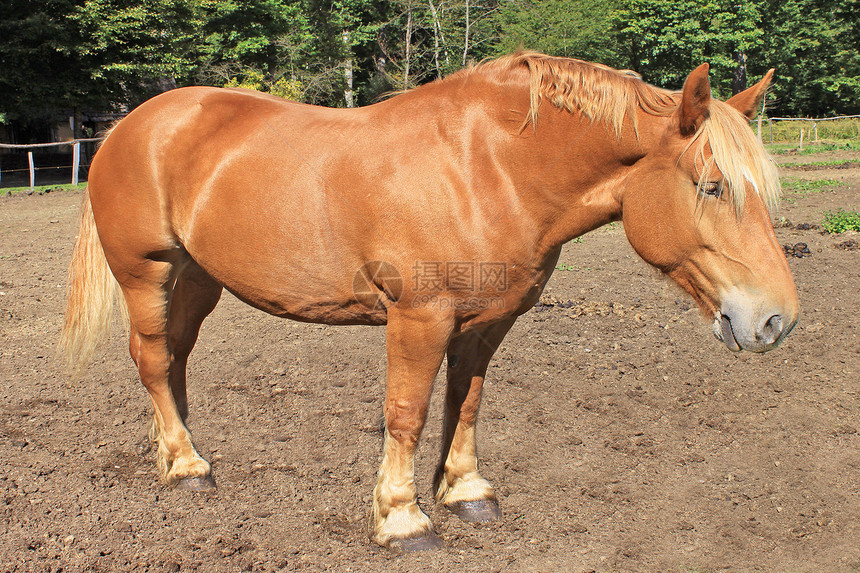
(285,284)
(284,277)
(306,306)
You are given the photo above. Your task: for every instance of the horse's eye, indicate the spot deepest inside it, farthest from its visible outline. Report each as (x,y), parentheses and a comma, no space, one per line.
(712,189)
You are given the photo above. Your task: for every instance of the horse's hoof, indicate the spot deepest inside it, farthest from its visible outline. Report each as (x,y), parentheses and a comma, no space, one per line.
(427,542)
(205,483)
(477,511)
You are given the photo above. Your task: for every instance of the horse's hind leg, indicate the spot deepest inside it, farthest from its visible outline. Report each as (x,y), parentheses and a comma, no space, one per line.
(194,297)
(457,482)
(147,292)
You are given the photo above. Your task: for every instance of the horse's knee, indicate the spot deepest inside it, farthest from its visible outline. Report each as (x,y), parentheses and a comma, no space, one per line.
(404,421)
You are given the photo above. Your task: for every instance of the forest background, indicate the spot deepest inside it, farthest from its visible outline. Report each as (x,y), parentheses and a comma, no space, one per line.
(75,56)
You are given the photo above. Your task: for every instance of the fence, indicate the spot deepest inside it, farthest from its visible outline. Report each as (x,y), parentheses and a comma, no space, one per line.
(75,167)
(797,129)
(787,132)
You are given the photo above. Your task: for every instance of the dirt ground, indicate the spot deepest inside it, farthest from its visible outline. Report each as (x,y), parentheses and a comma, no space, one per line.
(620,435)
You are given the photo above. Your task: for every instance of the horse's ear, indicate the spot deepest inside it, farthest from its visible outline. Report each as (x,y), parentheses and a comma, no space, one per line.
(695,99)
(748,101)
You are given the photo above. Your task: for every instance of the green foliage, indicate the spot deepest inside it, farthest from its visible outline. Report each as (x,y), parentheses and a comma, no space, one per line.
(815,47)
(346,40)
(793,185)
(811,148)
(252,80)
(39,72)
(837,163)
(427,39)
(287,89)
(60,55)
(136,49)
(794,188)
(664,41)
(559,27)
(254,43)
(840,221)
(255,80)
(813,44)
(254,32)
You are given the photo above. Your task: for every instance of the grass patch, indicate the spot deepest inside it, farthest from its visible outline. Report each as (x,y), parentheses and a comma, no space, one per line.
(41,189)
(789,131)
(830,163)
(794,188)
(810,148)
(840,221)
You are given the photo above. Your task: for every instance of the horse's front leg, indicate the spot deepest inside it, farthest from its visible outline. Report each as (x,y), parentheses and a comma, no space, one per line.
(416,340)
(457,482)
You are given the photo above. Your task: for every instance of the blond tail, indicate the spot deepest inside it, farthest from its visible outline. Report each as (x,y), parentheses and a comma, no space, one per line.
(91,292)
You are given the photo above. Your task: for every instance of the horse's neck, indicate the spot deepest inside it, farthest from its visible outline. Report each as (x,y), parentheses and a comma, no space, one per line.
(573,170)
(565,169)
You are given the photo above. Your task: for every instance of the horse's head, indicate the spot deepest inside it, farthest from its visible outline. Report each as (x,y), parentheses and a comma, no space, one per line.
(696,207)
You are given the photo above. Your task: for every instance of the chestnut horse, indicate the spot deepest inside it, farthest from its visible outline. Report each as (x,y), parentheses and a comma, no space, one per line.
(439,213)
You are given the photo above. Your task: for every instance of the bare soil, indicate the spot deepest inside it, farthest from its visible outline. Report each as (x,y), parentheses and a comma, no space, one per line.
(620,435)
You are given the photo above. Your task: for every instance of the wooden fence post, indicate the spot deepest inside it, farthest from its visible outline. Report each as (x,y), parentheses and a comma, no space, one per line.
(760,116)
(76,161)
(801,139)
(32,170)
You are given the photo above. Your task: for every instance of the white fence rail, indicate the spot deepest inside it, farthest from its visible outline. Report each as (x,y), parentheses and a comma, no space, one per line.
(809,133)
(813,119)
(76,156)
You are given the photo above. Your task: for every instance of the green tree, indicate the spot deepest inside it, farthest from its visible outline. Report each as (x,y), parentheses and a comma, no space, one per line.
(259,44)
(815,47)
(98,54)
(138,48)
(664,41)
(581,29)
(428,39)
(345,69)
(40,72)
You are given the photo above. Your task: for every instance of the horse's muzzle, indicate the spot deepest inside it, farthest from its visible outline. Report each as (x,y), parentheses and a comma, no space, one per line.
(740,331)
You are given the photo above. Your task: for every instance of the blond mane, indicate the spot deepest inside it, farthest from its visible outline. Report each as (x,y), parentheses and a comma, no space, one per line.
(606,95)
(738,155)
(601,93)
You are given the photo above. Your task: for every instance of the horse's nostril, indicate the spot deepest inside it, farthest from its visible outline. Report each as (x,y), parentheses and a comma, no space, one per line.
(772,328)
